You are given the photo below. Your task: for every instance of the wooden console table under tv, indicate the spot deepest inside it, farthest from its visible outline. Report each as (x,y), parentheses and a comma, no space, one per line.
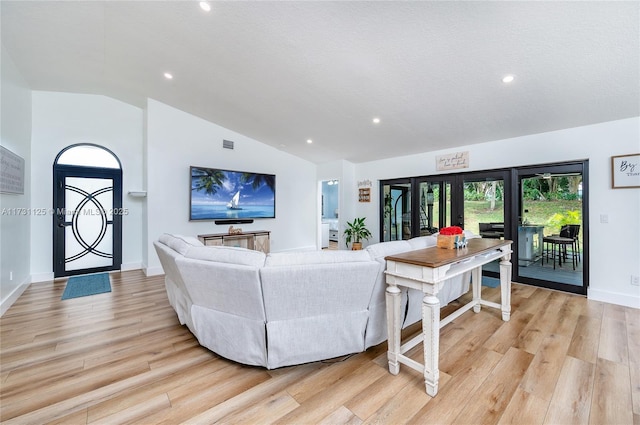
(257,240)
(426,270)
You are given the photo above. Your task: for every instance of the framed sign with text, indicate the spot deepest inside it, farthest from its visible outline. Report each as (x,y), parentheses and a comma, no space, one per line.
(625,171)
(11,172)
(452,161)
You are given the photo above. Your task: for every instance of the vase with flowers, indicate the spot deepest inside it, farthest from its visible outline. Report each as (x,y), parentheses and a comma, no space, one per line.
(451,238)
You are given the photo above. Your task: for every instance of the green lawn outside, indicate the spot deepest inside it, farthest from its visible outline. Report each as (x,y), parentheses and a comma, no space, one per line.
(540,212)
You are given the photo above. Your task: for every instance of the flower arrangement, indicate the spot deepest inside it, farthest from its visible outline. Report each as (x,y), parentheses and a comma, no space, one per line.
(451,238)
(452,230)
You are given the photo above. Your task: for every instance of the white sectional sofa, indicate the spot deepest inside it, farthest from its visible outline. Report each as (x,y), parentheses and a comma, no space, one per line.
(289,308)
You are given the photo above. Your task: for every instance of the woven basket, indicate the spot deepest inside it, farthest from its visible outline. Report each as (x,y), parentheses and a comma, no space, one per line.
(448,241)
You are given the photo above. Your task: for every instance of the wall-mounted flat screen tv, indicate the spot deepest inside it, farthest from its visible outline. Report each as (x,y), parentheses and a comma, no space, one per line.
(218,194)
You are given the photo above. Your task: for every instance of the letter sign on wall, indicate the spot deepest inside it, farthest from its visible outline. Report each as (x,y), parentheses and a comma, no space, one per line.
(625,171)
(452,161)
(11,172)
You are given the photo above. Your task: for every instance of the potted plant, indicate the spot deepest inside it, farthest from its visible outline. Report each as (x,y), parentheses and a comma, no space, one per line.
(356,231)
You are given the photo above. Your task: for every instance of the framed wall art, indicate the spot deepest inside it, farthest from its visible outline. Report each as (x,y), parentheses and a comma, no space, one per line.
(625,171)
(11,172)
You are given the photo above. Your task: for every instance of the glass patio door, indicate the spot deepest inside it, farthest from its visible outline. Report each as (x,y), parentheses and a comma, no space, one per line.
(543,209)
(481,206)
(396,222)
(434,205)
(552,248)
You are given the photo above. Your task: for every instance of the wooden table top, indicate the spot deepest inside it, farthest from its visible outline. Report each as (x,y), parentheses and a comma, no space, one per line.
(435,257)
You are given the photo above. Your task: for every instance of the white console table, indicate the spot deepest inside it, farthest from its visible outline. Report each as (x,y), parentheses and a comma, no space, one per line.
(426,270)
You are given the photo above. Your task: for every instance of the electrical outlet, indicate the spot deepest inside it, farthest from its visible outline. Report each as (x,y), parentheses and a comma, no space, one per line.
(604,218)
(635,280)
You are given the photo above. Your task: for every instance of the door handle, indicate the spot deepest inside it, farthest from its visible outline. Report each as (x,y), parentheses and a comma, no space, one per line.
(61,222)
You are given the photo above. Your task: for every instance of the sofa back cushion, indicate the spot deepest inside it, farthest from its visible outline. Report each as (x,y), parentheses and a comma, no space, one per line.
(422,242)
(224,287)
(227,254)
(380,250)
(304,290)
(315,257)
(179,243)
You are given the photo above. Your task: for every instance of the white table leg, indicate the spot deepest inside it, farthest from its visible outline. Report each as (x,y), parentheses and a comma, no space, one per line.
(505,286)
(393,328)
(476,284)
(431,343)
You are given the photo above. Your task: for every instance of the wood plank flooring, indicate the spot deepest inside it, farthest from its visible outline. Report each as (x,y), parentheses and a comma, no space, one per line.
(122,357)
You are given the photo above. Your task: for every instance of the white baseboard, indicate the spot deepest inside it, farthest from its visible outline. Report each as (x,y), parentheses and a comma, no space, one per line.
(153,271)
(130,266)
(13,297)
(626,300)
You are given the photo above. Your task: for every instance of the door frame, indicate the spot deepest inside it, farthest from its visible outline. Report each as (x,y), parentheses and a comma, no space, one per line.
(556,168)
(442,180)
(60,172)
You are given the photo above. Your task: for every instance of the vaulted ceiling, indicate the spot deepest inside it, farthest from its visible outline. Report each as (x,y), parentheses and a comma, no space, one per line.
(284,72)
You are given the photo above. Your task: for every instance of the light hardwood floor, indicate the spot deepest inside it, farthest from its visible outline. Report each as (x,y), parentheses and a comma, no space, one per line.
(122,357)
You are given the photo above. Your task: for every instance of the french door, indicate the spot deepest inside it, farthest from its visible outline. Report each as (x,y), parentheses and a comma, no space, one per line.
(552,235)
(480,205)
(87,221)
(532,206)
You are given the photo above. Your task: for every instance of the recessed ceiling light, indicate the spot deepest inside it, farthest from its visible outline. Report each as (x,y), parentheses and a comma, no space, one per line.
(508,79)
(168,76)
(376,120)
(205,6)
(309,141)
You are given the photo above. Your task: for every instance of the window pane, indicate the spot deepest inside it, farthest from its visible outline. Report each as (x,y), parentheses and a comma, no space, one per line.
(88,156)
(397,212)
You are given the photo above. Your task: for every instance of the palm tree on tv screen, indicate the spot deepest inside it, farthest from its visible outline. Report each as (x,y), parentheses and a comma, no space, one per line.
(208,180)
(257,180)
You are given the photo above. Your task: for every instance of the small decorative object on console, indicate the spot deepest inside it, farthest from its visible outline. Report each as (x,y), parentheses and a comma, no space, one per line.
(451,238)
(233,231)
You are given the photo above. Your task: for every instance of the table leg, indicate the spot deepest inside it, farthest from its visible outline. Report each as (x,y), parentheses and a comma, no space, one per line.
(394,326)
(431,342)
(505,286)
(476,285)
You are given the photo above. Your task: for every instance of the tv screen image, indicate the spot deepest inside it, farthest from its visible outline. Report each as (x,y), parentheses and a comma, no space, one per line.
(218,194)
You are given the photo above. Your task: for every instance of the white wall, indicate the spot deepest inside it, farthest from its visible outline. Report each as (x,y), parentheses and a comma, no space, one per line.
(176,140)
(612,261)
(63,119)
(15,125)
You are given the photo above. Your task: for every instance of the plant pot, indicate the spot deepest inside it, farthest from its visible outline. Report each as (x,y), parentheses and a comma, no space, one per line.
(356,246)
(449,241)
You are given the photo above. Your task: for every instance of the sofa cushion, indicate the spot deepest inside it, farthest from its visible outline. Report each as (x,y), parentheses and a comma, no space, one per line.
(315,257)
(422,242)
(380,250)
(227,254)
(179,243)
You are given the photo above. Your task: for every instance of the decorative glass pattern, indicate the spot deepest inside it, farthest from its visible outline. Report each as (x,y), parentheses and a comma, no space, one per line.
(88,223)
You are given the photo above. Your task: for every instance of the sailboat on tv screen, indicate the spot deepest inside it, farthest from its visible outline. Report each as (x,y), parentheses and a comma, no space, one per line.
(233,203)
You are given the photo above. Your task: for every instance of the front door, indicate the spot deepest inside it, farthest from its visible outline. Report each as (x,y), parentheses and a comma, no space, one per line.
(87,220)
